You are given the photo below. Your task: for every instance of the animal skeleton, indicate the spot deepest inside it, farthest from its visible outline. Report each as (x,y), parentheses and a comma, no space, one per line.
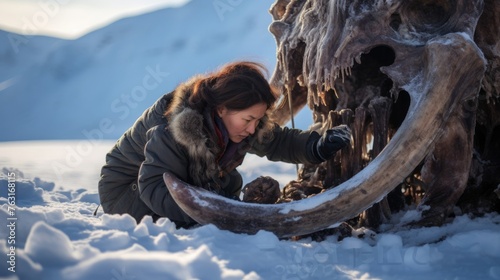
(418,82)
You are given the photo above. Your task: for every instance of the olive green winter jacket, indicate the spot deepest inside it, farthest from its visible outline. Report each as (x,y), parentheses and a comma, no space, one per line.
(185,143)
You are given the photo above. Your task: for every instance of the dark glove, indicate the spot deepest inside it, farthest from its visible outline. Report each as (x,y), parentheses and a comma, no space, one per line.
(332,141)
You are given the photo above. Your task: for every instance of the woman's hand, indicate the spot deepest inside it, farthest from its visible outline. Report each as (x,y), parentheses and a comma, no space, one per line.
(332,141)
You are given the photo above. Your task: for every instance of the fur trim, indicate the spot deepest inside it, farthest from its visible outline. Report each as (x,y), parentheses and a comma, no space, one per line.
(187,130)
(181,96)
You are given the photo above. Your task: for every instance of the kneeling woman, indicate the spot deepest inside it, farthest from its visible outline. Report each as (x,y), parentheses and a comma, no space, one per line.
(201,132)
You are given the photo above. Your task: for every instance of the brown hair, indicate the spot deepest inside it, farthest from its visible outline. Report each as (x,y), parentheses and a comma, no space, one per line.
(235,86)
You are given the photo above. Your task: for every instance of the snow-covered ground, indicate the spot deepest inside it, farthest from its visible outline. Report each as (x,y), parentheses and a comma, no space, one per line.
(57,236)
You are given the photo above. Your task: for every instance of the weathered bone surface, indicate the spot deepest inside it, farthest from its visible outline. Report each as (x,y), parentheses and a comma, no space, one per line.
(329,53)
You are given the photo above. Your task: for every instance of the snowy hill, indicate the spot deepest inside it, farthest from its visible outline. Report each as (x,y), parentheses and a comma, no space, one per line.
(97,85)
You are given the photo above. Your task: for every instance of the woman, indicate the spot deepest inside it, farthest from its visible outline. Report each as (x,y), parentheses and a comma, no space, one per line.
(201,132)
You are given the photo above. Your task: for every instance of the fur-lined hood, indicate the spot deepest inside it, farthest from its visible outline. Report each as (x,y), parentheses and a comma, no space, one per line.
(195,131)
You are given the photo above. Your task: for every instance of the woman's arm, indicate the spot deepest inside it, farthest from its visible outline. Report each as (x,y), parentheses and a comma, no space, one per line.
(162,154)
(288,145)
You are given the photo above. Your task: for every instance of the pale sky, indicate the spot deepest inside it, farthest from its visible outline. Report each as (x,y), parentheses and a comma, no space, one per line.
(70,18)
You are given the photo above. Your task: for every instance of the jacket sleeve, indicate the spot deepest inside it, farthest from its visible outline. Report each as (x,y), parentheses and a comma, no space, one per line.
(162,154)
(288,145)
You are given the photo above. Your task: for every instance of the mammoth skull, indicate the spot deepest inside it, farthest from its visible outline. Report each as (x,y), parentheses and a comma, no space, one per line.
(412,68)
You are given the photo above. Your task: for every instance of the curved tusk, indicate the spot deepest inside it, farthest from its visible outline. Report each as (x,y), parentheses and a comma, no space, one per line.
(454,67)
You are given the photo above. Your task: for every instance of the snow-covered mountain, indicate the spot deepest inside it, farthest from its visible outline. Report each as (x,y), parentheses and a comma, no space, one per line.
(95,87)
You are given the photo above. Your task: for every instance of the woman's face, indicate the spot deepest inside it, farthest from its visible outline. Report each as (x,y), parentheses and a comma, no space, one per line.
(241,124)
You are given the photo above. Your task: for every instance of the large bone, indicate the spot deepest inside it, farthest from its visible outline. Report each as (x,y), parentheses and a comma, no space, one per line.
(435,93)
